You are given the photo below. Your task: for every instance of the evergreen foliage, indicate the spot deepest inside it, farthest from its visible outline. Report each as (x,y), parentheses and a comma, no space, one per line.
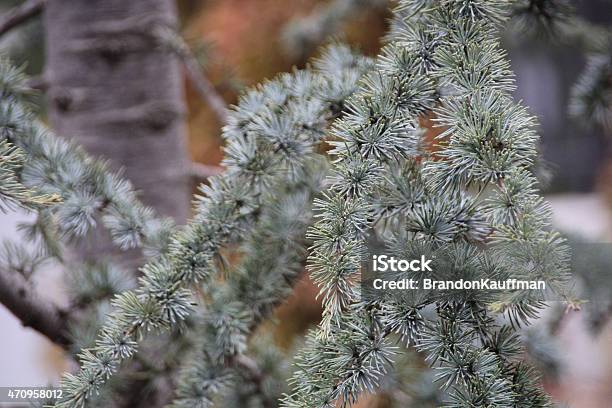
(271,140)
(468,199)
(57,169)
(12,191)
(592,95)
(471,201)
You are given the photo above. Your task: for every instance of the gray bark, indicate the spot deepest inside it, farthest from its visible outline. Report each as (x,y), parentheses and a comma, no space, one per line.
(116,92)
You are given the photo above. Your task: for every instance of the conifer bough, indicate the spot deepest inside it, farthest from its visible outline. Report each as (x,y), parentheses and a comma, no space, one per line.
(469,199)
(270,137)
(471,203)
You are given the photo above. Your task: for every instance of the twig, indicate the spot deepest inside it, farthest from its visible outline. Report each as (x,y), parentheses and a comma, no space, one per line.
(170,38)
(38,83)
(20,14)
(250,366)
(203,85)
(202,172)
(19,296)
(252,370)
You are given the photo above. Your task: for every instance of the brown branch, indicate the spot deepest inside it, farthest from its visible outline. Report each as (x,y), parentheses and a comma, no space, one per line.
(201,172)
(203,85)
(19,296)
(20,14)
(170,38)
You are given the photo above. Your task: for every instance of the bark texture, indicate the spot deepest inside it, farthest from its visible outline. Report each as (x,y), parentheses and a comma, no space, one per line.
(116,92)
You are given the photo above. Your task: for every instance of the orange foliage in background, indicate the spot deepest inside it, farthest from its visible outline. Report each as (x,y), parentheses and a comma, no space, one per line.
(245,47)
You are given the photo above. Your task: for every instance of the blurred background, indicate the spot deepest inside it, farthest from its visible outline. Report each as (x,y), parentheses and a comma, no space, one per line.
(239,43)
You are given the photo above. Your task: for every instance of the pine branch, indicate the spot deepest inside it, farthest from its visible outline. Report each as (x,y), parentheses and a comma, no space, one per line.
(20,14)
(12,190)
(20,297)
(444,58)
(227,208)
(273,259)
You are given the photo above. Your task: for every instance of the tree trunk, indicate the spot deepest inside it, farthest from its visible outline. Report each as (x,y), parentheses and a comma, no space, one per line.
(117,93)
